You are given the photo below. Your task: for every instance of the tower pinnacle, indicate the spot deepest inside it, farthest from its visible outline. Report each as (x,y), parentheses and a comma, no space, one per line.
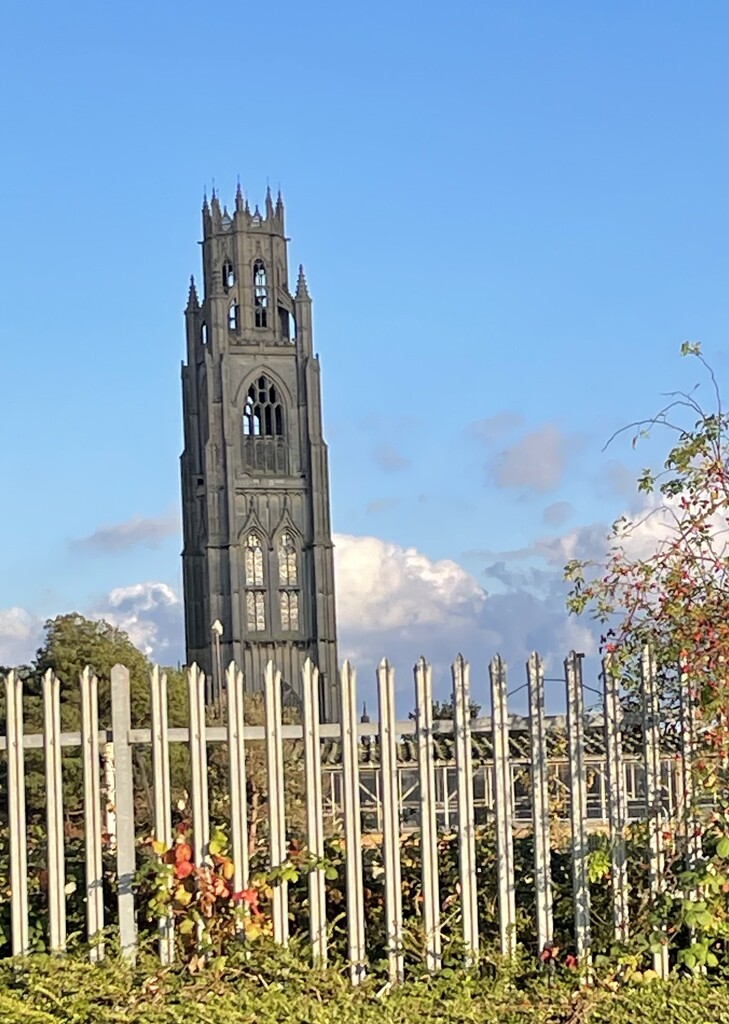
(302,289)
(193,303)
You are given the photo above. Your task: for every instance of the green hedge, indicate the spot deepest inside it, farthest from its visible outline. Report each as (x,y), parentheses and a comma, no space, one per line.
(278,987)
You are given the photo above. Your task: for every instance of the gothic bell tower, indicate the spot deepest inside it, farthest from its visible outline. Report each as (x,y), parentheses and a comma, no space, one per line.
(255,485)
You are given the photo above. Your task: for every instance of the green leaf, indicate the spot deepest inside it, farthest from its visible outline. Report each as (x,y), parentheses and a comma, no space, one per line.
(691,348)
(722,847)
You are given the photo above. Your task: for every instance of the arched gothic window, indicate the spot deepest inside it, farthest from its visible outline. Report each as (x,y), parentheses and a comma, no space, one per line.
(263,413)
(288,578)
(228,275)
(264,428)
(233,316)
(204,334)
(255,580)
(260,293)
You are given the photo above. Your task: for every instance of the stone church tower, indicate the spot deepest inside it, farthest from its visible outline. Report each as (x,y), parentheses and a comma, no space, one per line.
(255,486)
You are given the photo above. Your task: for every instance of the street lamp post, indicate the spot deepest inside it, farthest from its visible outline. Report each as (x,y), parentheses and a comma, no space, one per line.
(217,631)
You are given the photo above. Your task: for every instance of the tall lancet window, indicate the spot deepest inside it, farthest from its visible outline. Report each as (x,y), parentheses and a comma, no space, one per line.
(260,293)
(255,578)
(288,579)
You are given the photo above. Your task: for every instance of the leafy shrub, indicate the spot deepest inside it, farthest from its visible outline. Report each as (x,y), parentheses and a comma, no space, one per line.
(271,985)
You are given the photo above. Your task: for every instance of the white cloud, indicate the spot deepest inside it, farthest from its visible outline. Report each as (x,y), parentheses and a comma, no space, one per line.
(20,636)
(151,613)
(382,586)
(392,602)
(643,532)
(396,602)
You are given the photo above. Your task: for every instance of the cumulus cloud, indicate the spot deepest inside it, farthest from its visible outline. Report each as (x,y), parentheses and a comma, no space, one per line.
(151,613)
(396,602)
(536,462)
(393,602)
(389,458)
(382,586)
(643,532)
(147,532)
(20,636)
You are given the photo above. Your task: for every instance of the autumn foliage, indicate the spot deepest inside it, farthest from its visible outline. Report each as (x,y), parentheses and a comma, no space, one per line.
(665,579)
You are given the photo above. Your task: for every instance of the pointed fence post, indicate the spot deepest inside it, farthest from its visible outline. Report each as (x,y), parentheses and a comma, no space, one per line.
(162,795)
(92,812)
(578,804)
(390,818)
(16,815)
(540,800)
(694,850)
(54,812)
(616,800)
(314,816)
(503,806)
(352,825)
(276,800)
(428,824)
(461,676)
(199,767)
(652,754)
(235,693)
(121,723)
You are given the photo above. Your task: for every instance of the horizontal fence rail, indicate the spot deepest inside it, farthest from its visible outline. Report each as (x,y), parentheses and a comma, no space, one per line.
(364,784)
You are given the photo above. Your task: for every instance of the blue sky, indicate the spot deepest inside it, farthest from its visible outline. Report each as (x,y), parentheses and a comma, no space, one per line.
(511,215)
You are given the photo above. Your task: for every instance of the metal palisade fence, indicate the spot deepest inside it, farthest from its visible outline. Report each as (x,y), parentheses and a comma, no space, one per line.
(109,798)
